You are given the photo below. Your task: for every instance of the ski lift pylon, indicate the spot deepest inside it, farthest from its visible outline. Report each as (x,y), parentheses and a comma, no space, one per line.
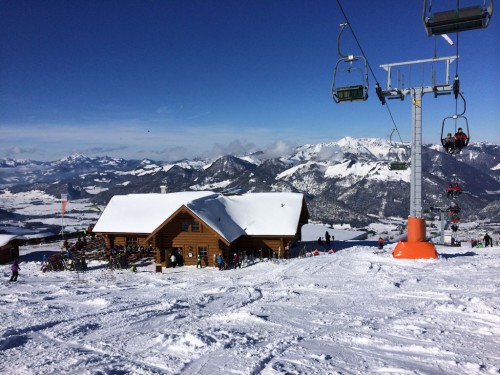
(456,19)
(344,87)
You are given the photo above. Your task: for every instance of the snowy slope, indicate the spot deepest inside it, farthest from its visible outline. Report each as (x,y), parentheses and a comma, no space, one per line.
(354,312)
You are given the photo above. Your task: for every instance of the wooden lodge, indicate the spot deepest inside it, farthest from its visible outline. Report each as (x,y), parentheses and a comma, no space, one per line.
(9,247)
(205,223)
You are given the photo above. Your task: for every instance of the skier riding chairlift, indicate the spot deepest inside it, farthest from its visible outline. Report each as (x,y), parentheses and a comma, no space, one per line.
(453,190)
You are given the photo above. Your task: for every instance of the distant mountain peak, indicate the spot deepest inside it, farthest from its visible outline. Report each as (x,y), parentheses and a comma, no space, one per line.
(75,157)
(349,178)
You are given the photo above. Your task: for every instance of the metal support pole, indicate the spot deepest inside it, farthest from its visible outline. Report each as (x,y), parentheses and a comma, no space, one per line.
(441,217)
(416,155)
(416,247)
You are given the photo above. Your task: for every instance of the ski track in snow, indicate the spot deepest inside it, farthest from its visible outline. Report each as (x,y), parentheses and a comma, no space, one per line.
(353,312)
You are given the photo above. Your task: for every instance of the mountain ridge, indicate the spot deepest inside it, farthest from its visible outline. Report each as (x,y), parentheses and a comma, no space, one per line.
(344,181)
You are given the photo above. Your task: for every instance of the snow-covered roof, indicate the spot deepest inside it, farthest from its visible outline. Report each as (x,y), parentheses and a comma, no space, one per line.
(261,214)
(142,213)
(213,212)
(6,238)
(230,216)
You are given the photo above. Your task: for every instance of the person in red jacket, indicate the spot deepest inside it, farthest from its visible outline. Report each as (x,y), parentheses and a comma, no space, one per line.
(380,243)
(460,140)
(457,190)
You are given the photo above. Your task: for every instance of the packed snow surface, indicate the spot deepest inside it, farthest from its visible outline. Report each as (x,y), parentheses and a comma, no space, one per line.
(358,311)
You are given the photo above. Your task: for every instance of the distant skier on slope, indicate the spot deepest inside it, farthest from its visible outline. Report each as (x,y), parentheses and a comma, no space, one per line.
(380,242)
(487,240)
(15,271)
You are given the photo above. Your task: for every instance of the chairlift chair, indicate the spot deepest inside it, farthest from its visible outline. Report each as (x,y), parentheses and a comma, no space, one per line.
(350,76)
(395,165)
(453,190)
(346,68)
(456,118)
(456,19)
(445,129)
(398,166)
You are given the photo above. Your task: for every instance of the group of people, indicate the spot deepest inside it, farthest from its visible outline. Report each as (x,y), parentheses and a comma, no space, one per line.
(223,264)
(455,144)
(201,258)
(487,241)
(89,231)
(80,243)
(328,240)
(454,190)
(176,259)
(454,209)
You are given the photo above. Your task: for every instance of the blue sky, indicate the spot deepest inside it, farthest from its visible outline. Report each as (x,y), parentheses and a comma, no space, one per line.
(173,79)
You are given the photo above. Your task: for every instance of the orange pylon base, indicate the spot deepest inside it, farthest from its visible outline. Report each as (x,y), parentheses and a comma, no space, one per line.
(415,250)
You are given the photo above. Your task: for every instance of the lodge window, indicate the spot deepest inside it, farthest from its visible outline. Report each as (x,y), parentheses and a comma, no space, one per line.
(184,226)
(131,241)
(203,250)
(195,226)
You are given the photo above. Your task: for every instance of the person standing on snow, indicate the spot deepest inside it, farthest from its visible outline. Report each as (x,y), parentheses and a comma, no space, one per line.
(327,239)
(487,240)
(15,271)
(380,243)
(236,261)
(320,241)
(220,262)
(198,261)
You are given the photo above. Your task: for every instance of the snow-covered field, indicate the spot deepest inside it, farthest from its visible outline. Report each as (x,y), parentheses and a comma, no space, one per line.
(44,214)
(358,311)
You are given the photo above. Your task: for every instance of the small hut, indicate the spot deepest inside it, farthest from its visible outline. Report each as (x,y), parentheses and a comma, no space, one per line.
(9,247)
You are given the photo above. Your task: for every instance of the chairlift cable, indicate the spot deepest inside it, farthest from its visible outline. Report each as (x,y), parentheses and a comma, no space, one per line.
(394,122)
(368,63)
(357,41)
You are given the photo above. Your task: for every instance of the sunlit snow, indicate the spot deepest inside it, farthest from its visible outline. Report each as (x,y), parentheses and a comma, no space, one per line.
(358,311)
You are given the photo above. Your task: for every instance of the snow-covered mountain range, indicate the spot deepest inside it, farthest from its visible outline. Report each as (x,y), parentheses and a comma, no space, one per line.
(348,181)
